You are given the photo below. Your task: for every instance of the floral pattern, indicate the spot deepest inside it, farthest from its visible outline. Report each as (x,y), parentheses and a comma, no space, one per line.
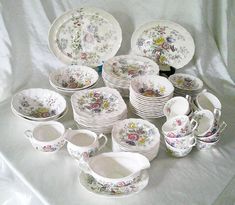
(150,92)
(165,42)
(50,147)
(137,134)
(77,154)
(87,36)
(98,102)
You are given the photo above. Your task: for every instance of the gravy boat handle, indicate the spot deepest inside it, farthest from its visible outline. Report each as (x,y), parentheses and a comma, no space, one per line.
(28,134)
(222,126)
(83,163)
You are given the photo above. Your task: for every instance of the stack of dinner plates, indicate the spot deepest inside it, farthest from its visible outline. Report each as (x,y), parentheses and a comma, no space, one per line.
(186,84)
(148,95)
(136,135)
(98,109)
(119,70)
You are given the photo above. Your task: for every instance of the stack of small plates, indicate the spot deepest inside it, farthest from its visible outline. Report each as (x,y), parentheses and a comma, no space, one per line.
(148,95)
(73,78)
(119,70)
(186,84)
(136,135)
(38,105)
(98,109)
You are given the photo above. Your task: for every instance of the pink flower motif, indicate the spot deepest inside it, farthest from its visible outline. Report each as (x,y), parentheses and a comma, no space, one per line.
(165,45)
(45,114)
(89,38)
(95,105)
(133,137)
(178,122)
(171,134)
(83,56)
(96,95)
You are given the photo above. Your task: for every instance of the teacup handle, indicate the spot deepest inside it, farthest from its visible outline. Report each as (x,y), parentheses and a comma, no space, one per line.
(105,141)
(222,126)
(217,114)
(195,142)
(193,124)
(29,134)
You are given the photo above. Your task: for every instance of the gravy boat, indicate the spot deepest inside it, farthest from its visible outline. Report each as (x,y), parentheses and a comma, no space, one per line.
(115,168)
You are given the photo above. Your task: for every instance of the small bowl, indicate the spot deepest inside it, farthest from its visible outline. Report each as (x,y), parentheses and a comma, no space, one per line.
(178,152)
(47,137)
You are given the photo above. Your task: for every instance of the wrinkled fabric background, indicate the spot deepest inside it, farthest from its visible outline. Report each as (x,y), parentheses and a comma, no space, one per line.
(25,61)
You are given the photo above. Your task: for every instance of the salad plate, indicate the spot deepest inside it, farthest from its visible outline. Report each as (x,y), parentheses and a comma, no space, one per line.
(165,42)
(89,183)
(38,104)
(86,36)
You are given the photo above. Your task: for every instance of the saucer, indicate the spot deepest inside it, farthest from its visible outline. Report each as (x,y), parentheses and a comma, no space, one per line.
(90,184)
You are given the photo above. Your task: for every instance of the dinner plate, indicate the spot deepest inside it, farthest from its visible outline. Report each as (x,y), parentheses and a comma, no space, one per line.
(85,36)
(165,42)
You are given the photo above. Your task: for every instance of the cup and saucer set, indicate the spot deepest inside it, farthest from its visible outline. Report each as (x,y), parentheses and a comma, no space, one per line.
(87,38)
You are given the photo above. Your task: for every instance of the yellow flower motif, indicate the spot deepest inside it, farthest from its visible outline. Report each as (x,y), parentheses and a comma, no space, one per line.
(91,94)
(132,125)
(159,41)
(162,89)
(162,59)
(42,110)
(179,81)
(105,104)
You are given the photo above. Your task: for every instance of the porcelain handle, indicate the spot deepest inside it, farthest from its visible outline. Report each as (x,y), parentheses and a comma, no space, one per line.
(195,142)
(193,124)
(222,126)
(29,134)
(83,163)
(105,141)
(217,114)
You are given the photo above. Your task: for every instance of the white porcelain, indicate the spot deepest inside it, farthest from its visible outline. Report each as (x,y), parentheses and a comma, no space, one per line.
(73,78)
(122,190)
(176,106)
(179,126)
(83,142)
(47,136)
(208,101)
(115,168)
(85,36)
(201,145)
(178,152)
(205,120)
(38,104)
(165,42)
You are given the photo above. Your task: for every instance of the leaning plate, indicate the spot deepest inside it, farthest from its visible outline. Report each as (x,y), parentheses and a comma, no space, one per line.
(86,36)
(165,42)
(38,104)
(91,185)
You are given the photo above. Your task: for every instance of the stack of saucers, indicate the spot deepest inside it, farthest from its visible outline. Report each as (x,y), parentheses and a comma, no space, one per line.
(119,70)
(38,105)
(98,109)
(186,84)
(148,95)
(73,78)
(136,135)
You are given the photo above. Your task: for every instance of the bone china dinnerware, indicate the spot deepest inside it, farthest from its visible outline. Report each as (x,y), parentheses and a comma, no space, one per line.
(186,84)
(208,101)
(38,104)
(83,141)
(205,120)
(176,106)
(98,109)
(73,78)
(136,135)
(47,137)
(148,95)
(165,42)
(123,190)
(86,36)
(115,168)
(119,70)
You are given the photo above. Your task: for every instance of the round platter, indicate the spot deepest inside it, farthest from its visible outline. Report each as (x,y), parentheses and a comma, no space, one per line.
(86,36)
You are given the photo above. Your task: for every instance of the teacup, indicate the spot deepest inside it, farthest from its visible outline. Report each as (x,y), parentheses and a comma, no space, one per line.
(201,145)
(178,152)
(47,137)
(205,120)
(182,142)
(176,106)
(178,126)
(207,101)
(83,142)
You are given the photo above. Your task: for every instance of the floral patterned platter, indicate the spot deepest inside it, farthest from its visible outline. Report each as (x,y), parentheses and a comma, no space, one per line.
(38,104)
(136,134)
(100,103)
(90,184)
(121,69)
(186,82)
(73,78)
(85,36)
(165,42)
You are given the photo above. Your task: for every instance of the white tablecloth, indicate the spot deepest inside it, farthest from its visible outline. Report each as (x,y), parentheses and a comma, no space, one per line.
(30,177)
